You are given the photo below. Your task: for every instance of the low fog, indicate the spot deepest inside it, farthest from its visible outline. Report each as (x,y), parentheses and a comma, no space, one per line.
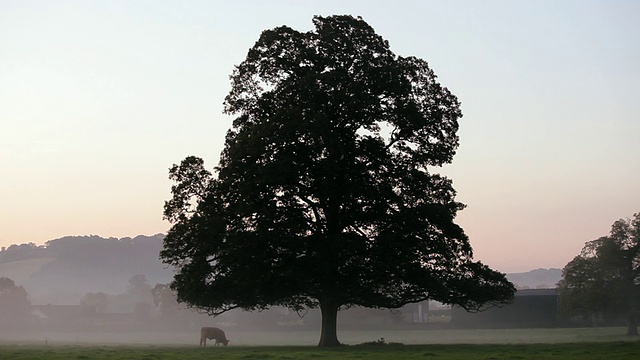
(91,290)
(272,327)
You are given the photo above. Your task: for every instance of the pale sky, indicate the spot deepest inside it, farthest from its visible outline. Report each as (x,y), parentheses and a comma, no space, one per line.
(99,98)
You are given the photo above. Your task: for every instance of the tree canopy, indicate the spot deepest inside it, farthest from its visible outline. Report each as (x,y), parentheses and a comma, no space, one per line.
(605,277)
(15,306)
(325,194)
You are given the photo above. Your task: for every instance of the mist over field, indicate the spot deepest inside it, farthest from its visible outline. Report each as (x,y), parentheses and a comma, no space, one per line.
(92,290)
(310,337)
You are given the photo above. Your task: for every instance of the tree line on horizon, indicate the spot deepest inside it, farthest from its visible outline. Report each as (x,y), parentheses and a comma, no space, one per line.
(62,270)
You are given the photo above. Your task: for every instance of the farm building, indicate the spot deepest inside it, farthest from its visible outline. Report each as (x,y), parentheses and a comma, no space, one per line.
(530,308)
(410,315)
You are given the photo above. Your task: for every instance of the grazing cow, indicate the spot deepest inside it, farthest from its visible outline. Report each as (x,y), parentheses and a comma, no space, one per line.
(212,333)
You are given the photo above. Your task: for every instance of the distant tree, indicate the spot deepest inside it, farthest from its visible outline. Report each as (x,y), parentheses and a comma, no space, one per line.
(165,300)
(324,195)
(139,282)
(99,300)
(21,252)
(605,277)
(15,307)
(139,289)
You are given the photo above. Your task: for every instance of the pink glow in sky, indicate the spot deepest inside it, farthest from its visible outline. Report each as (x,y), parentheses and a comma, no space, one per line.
(99,98)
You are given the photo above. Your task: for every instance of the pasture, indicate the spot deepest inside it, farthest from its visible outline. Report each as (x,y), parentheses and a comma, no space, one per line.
(582,351)
(310,337)
(585,343)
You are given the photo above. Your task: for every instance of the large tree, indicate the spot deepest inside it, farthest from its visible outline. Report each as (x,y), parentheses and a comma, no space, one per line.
(605,277)
(15,306)
(325,194)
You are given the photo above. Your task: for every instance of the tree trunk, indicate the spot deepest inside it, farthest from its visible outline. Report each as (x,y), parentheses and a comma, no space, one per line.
(329,335)
(632,325)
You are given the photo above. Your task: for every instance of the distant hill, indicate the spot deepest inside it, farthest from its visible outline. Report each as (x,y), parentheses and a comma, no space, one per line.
(536,279)
(62,270)
(21,270)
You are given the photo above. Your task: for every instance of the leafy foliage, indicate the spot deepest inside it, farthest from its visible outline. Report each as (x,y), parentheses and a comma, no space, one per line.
(605,277)
(324,195)
(15,306)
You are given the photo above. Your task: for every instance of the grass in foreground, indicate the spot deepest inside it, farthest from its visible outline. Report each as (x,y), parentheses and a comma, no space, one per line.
(582,351)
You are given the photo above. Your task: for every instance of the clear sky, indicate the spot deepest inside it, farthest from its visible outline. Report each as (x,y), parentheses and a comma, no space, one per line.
(99,98)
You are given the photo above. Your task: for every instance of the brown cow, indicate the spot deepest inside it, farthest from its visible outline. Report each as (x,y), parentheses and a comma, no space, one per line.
(212,333)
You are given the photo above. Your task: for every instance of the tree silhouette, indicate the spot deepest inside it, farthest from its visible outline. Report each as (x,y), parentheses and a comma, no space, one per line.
(606,275)
(15,307)
(140,294)
(324,195)
(164,299)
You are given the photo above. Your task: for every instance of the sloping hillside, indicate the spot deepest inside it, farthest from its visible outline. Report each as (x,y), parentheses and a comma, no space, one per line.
(20,271)
(64,269)
(535,279)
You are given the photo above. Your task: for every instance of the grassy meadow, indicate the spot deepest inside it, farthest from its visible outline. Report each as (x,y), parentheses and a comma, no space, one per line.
(310,337)
(582,351)
(599,343)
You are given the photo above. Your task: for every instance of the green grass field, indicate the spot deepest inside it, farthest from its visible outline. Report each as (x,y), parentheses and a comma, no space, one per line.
(598,343)
(582,351)
(310,337)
